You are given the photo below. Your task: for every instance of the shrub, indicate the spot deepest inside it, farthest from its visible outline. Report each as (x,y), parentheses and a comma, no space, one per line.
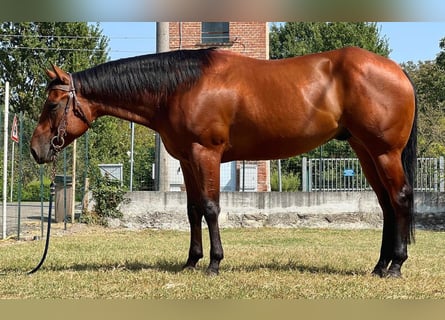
(107,194)
(31,192)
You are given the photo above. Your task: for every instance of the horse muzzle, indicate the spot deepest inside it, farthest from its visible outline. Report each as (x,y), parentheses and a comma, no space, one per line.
(39,158)
(41,151)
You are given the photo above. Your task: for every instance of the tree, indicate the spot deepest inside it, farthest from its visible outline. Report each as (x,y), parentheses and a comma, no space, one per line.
(440,60)
(298,38)
(429,80)
(27,48)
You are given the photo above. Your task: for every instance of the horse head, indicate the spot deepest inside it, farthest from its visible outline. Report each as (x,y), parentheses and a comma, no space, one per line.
(62,119)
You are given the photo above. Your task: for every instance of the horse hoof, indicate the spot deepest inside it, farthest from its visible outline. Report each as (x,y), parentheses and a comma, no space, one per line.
(394,271)
(379,273)
(212,272)
(394,274)
(387,273)
(188,268)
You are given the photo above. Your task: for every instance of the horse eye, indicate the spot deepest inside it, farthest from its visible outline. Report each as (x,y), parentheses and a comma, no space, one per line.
(53,105)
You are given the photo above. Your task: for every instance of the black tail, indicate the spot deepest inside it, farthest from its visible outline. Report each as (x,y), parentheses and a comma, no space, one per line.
(409,160)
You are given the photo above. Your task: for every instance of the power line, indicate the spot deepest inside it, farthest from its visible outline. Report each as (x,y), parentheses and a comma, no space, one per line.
(75,37)
(73,49)
(46,37)
(186,37)
(50,49)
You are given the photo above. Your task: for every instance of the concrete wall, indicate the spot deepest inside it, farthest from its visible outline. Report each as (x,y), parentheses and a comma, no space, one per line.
(167,210)
(430,210)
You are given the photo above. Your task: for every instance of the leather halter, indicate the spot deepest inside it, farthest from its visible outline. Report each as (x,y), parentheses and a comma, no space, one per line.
(77,109)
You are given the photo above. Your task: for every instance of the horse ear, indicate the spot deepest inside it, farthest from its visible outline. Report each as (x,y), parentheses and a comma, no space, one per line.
(60,74)
(51,74)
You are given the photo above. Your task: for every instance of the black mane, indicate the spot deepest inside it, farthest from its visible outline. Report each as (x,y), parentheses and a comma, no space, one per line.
(158,75)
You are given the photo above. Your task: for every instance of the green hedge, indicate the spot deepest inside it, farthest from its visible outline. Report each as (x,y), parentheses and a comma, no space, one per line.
(289,182)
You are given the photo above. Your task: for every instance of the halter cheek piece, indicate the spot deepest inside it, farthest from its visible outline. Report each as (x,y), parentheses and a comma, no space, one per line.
(58,140)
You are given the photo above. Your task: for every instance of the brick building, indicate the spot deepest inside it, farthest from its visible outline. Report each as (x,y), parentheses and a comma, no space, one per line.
(248,38)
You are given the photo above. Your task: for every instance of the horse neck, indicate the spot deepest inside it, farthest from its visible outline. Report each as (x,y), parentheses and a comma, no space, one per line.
(141,108)
(143,113)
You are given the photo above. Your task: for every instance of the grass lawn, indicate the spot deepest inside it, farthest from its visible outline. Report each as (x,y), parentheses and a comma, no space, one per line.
(93,262)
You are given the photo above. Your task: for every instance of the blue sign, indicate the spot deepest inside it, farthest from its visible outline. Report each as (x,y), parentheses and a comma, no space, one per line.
(348,172)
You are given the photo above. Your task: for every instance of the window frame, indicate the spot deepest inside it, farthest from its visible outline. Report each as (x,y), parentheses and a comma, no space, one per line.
(219,31)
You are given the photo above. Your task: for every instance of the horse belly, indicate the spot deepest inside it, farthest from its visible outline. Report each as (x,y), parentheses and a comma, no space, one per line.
(280,137)
(260,147)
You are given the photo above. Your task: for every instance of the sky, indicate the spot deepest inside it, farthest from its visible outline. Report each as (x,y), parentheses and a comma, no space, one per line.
(413,41)
(409,41)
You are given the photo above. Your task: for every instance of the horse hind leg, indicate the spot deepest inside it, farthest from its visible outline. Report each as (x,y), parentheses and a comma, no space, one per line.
(391,172)
(393,248)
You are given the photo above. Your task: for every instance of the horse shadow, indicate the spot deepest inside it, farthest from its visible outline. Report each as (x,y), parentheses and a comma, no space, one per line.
(174,267)
(132,266)
(299,268)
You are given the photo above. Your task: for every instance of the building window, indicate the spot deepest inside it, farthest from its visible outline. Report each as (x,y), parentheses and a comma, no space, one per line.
(216,33)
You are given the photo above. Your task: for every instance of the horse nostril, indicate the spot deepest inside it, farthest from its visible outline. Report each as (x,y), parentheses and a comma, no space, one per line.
(36,156)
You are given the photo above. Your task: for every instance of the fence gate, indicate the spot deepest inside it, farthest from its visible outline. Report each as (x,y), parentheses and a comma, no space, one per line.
(345,174)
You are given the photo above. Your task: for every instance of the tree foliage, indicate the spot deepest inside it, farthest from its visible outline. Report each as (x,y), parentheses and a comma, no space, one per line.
(299,38)
(28,48)
(440,60)
(429,80)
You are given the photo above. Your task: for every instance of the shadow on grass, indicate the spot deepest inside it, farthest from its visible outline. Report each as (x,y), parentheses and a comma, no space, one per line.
(294,266)
(177,267)
(161,265)
(132,266)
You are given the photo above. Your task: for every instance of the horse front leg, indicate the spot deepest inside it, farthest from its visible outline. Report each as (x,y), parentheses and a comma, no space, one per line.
(194,214)
(205,165)
(211,214)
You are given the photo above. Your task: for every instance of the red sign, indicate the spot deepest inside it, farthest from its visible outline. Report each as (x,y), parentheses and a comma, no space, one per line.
(15,130)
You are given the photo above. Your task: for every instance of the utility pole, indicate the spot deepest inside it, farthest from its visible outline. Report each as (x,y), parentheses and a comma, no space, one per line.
(162,45)
(5,158)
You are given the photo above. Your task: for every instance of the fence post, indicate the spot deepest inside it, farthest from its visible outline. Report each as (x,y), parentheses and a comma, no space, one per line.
(280,185)
(304,175)
(435,176)
(5,159)
(20,169)
(441,174)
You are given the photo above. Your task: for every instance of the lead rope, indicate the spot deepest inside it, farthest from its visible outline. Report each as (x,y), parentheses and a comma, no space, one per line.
(57,143)
(52,189)
(48,230)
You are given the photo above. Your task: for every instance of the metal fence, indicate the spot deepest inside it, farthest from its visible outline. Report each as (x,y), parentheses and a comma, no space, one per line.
(345,174)
(333,174)
(309,175)
(430,175)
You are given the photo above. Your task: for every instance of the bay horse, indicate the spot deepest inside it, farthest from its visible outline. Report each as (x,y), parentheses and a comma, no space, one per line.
(211,106)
